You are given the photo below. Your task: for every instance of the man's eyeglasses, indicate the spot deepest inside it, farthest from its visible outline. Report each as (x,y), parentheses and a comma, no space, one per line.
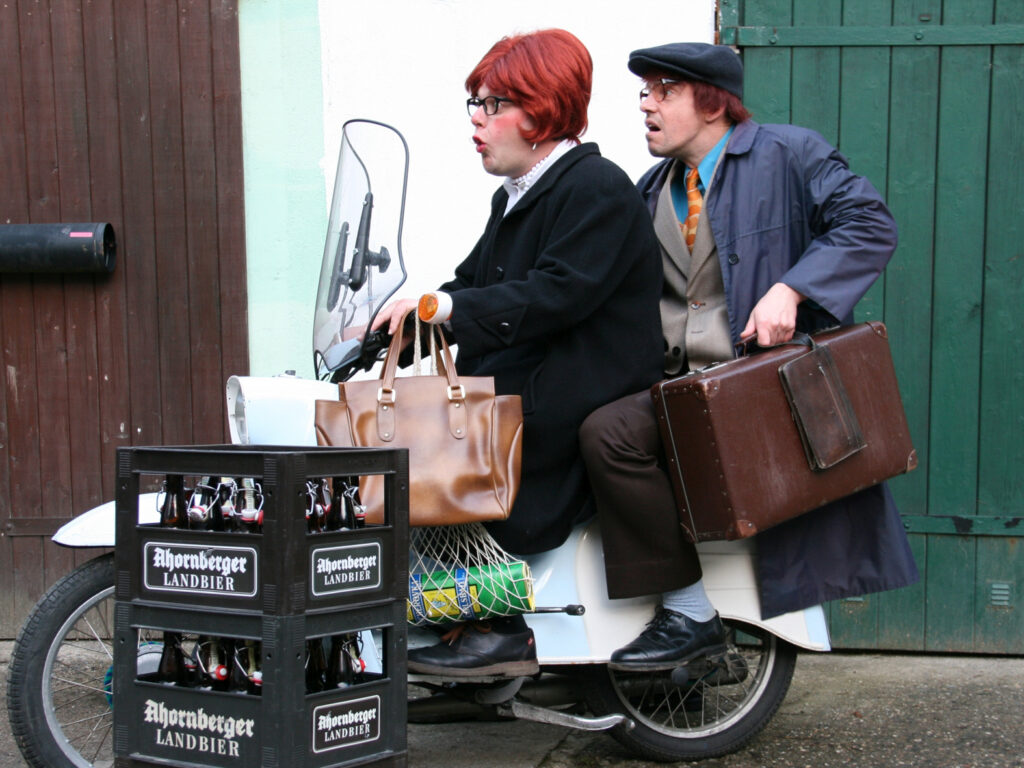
(489,103)
(659,89)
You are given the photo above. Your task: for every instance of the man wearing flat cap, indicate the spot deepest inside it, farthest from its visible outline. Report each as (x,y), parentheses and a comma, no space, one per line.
(764,231)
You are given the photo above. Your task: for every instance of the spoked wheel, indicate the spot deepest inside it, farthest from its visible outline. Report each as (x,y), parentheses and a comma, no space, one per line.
(709,709)
(59,686)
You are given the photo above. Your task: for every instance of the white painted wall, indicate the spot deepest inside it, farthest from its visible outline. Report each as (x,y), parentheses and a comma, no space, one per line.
(309,65)
(405,62)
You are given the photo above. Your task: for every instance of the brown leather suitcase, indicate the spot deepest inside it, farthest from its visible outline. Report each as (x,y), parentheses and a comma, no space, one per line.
(758,440)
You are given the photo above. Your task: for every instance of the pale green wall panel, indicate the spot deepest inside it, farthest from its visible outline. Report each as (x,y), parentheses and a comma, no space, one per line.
(285,199)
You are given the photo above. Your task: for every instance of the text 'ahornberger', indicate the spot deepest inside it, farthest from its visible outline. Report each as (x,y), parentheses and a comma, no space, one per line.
(349,563)
(164,557)
(197,720)
(360,716)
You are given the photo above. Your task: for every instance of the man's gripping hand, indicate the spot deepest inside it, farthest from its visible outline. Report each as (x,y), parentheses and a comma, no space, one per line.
(773,319)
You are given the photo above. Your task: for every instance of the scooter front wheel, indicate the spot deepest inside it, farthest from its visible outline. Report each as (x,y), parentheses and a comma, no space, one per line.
(59,696)
(711,709)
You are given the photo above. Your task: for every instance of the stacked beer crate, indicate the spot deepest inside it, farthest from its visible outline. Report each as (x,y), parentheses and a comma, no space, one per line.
(262,621)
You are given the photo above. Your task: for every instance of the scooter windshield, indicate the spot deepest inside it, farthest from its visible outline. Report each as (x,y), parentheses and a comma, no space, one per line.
(362,265)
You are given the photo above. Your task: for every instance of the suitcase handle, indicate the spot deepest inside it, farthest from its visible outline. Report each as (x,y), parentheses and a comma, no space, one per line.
(750,346)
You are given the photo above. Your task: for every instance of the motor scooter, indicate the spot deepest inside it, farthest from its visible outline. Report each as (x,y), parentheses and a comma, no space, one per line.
(60,693)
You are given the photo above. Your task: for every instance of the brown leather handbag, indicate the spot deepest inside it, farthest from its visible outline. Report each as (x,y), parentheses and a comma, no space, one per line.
(464,442)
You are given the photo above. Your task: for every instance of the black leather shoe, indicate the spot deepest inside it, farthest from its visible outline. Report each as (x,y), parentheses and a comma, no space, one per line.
(670,640)
(475,650)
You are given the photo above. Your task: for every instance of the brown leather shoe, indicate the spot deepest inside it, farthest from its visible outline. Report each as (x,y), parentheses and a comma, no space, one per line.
(474,649)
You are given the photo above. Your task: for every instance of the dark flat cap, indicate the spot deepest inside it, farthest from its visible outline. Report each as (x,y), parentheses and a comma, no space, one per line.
(715,64)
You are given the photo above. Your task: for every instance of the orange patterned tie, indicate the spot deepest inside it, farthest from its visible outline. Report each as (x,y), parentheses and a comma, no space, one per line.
(695,202)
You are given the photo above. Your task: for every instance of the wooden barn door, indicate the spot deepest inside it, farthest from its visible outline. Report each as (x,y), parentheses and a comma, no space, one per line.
(926,98)
(126,112)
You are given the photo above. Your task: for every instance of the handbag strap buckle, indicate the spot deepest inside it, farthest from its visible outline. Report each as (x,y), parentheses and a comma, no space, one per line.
(386,395)
(458,392)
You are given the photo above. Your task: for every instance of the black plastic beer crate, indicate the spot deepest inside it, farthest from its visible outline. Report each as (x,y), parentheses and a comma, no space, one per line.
(286,726)
(282,571)
(272,592)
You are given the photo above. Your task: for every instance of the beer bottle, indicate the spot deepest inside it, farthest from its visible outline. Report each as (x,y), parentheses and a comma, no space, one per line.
(323,497)
(172,661)
(223,511)
(354,513)
(353,656)
(316,512)
(237,654)
(335,664)
(249,505)
(332,521)
(220,669)
(248,656)
(345,667)
(200,504)
(213,663)
(192,666)
(316,665)
(172,508)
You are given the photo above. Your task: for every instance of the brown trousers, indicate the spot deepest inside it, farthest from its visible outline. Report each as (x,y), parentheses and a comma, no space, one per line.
(645,552)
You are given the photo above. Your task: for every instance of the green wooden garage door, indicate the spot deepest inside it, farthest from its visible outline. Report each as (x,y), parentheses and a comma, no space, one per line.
(927,100)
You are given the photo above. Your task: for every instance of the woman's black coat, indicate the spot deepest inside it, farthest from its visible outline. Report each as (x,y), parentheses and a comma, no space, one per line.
(559,302)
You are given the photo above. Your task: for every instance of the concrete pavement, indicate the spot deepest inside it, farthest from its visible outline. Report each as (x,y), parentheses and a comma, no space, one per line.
(844,710)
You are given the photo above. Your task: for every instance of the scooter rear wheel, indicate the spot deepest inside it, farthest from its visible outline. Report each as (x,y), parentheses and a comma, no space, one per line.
(714,710)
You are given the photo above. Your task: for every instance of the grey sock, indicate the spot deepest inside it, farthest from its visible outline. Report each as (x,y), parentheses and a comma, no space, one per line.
(690,601)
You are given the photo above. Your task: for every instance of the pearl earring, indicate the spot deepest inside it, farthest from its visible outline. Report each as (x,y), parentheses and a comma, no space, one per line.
(534,147)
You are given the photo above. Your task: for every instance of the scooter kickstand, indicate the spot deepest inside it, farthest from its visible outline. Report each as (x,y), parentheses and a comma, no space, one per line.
(499,694)
(524,711)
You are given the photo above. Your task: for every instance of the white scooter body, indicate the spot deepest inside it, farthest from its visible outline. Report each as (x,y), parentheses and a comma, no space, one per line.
(704,709)
(279,411)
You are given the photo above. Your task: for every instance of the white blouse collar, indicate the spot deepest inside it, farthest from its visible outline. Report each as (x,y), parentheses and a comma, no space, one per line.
(518,187)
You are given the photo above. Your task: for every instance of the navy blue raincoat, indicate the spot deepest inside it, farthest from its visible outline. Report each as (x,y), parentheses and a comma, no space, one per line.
(784,207)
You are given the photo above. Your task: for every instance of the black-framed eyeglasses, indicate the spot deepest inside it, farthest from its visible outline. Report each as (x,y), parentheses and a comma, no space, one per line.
(489,103)
(659,88)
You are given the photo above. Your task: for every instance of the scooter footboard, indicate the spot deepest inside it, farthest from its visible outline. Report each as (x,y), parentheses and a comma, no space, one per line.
(574,574)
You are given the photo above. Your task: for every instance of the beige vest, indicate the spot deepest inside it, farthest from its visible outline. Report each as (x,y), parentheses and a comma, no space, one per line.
(694,316)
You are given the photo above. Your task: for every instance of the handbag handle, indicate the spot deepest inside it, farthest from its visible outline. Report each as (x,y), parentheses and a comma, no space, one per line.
(444,361)
(436,363)
(387,399)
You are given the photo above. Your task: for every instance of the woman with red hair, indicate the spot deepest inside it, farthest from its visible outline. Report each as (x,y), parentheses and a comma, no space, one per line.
(558,301)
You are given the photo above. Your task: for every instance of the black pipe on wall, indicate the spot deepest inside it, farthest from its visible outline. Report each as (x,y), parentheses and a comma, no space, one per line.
(57,248)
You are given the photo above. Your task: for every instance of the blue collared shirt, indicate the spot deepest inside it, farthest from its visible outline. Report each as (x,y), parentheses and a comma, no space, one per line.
(704,171)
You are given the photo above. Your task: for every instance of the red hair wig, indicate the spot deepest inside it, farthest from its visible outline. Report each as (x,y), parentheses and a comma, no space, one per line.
(708,99)
(548,74)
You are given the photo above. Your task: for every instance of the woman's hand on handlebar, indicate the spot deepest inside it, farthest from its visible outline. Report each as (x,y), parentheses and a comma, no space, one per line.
(392,314)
